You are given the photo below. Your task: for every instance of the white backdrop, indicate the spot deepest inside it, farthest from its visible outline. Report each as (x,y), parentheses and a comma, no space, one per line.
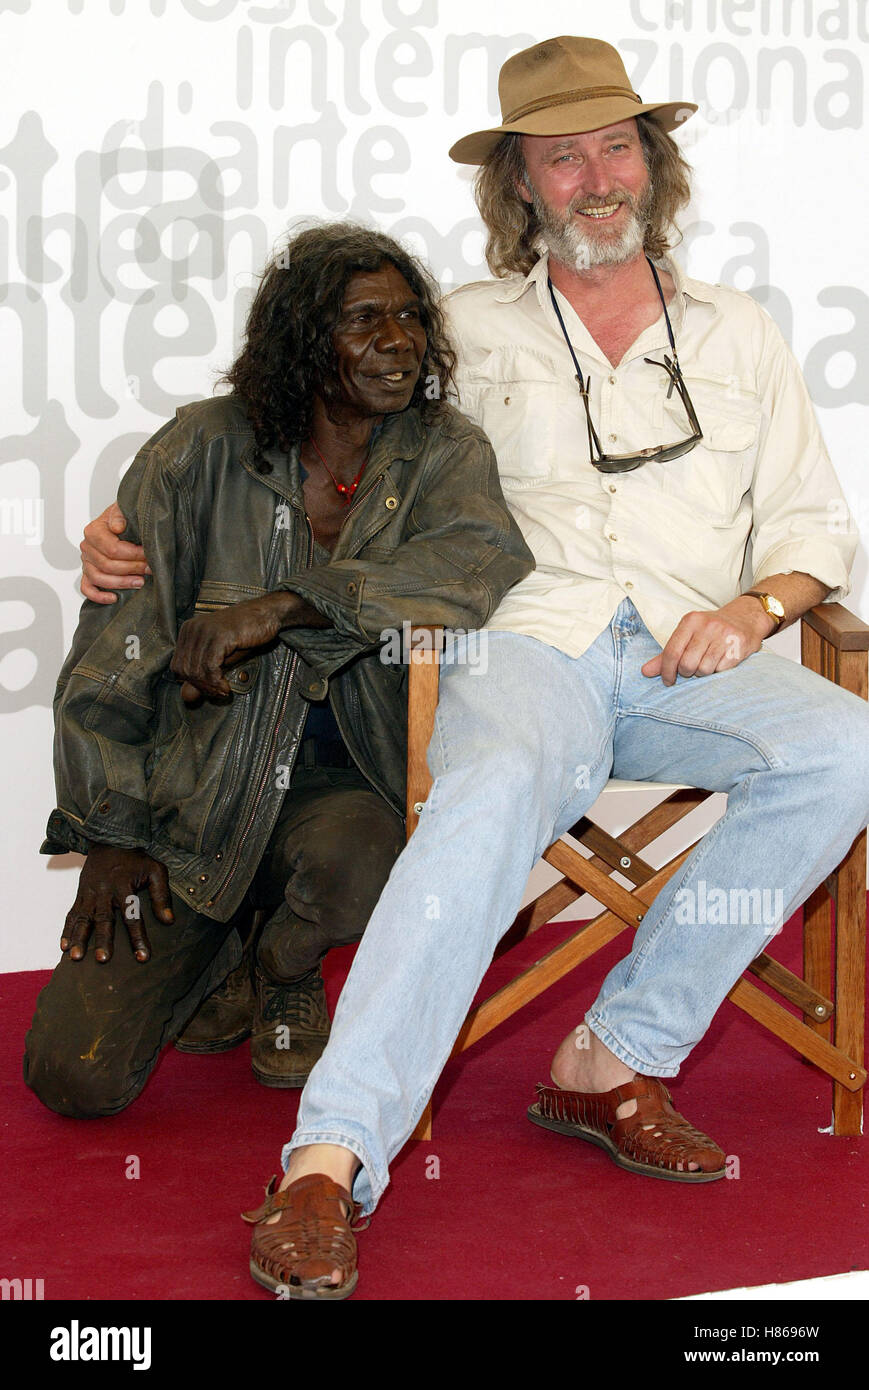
(152,151)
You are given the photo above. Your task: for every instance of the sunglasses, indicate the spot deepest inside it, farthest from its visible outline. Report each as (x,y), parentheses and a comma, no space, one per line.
(625,463)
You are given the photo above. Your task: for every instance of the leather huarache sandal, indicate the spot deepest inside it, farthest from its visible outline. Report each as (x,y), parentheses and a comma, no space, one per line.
(314,1236)
(654,1140)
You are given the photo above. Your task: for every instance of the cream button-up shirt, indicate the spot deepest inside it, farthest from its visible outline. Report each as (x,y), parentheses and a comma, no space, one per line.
(757,496)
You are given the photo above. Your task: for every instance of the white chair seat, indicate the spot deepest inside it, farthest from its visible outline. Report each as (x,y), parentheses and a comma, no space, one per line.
(615,784)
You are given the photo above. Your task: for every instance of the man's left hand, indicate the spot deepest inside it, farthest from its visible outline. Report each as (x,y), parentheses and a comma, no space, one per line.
(210,643)
(716,641)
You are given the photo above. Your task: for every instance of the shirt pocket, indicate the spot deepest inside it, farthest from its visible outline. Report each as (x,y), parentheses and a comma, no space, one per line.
(529,415)
(714,478)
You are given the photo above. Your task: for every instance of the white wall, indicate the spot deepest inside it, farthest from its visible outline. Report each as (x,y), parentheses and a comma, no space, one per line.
(151,152)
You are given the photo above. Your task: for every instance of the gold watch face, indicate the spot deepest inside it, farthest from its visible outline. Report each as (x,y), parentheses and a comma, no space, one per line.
(773,606)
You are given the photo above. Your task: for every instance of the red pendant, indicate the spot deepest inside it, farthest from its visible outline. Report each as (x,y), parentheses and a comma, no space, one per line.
(341,488)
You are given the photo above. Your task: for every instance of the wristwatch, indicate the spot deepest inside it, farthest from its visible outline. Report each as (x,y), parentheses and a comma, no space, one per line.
(772,606)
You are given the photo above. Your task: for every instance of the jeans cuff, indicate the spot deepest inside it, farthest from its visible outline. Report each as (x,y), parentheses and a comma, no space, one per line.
(603,1034)
(368,1185)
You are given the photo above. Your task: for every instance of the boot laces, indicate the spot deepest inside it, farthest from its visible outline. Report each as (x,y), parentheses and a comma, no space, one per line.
(294,1001)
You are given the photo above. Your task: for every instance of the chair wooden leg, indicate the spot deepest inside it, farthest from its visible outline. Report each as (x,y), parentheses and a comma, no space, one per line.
(845,1069)
(561,959)
(816,1007)
(834,644)
(817,952)
(423,1127)
(849,1026)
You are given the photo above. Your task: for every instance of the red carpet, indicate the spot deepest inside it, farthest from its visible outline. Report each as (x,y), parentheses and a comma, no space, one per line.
(516,1212)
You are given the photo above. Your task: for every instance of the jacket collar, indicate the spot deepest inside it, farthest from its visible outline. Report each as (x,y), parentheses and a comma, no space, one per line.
(398,440)
(400,437)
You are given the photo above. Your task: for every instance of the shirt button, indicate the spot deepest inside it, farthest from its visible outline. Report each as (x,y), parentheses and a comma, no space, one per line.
(612,381)
(611,536)
(628,584)
(613,487)
(506,400)
(612,438)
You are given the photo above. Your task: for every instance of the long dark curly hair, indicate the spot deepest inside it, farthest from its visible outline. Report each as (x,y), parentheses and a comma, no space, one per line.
(288,354)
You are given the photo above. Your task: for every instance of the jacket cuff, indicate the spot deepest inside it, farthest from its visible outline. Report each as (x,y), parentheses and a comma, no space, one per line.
(113,819)
(324,650)
(62,835)
(338,596)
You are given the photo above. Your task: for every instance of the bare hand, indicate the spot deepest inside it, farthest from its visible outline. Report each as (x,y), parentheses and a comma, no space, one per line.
(108,883)
(210,643)
(109,563)
(716,641)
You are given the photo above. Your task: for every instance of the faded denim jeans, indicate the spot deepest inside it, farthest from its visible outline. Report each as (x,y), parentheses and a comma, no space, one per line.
(522,750)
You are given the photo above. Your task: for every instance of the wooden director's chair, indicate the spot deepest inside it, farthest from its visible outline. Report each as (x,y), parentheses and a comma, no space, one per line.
(831,994)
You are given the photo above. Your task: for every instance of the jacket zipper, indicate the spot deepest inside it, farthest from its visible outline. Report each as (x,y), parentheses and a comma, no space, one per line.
(364,493)
(379,787)
(367,493)
(274,735)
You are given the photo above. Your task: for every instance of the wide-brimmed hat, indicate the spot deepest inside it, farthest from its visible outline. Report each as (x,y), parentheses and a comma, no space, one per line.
(563,87)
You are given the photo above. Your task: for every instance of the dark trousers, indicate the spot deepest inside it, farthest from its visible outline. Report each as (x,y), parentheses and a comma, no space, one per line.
(98,1029)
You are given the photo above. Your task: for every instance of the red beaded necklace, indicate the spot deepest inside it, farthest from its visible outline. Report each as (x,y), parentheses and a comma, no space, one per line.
(346,490)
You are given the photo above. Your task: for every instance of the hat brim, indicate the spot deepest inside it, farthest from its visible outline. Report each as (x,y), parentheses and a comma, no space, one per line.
(574,118)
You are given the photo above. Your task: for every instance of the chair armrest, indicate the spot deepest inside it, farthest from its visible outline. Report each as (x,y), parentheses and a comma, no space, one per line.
(834,643)
(842,629)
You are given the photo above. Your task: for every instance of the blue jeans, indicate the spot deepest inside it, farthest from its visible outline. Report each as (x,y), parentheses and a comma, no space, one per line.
(519,753)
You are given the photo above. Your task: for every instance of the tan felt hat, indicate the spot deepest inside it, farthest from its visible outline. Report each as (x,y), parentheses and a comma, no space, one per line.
(563,87)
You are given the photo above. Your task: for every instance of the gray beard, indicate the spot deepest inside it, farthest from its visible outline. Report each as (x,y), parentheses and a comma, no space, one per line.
(581,250)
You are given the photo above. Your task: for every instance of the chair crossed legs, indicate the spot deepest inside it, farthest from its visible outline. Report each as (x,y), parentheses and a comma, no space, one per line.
(827,1030)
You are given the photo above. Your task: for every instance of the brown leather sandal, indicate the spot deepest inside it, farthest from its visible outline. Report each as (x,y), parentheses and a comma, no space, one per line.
(655,1151)
(297,1254)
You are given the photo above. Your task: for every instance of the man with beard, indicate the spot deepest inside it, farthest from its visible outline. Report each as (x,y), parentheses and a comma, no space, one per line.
(649,429)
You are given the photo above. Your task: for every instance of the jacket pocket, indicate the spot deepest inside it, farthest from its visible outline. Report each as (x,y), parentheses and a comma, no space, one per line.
(220,593)
(199,771)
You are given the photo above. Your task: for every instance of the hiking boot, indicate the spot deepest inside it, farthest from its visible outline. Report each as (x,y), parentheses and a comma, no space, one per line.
(290,1028)
(225,1018)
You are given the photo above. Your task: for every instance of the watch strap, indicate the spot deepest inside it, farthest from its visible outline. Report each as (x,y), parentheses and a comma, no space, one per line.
(766,601)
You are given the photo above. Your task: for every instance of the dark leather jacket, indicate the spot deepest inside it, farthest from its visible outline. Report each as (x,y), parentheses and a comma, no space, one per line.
(428,539)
